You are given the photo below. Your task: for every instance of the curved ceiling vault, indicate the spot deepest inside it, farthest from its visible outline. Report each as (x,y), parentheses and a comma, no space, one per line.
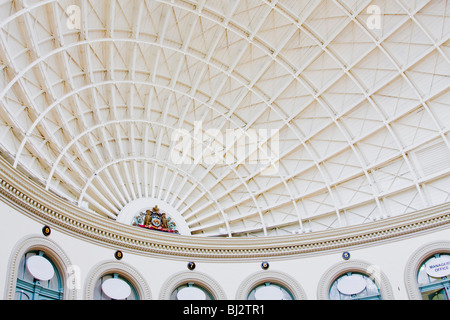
(357,92)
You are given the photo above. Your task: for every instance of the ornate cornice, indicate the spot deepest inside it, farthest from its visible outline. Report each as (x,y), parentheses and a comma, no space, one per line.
(46,207)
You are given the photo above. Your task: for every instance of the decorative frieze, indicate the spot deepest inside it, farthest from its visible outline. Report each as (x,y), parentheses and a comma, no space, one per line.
(37,203)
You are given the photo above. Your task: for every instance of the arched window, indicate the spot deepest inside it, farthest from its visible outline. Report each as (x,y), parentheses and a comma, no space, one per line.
(354,286)
(191,291)
(270,291)
(113,286)
(38,278)
(433,278)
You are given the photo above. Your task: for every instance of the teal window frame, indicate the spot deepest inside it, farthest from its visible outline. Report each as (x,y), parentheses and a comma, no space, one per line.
(251,295)
(364,295)
(34,289)
(434,286)
(102,296)
(173,296)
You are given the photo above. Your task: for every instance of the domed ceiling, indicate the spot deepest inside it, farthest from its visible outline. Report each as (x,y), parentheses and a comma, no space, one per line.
(247,118)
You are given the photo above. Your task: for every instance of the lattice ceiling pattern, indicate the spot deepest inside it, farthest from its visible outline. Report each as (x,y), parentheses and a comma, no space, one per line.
(356,90)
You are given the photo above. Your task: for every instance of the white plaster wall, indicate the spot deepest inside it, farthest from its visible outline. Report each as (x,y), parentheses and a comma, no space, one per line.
(390,257)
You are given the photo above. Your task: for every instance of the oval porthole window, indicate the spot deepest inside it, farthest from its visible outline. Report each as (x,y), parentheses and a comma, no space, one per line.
(270,291)
(438,267)
(116,289)
(351,285)
(354,286)
(191,293)
(40,268)
(114,286)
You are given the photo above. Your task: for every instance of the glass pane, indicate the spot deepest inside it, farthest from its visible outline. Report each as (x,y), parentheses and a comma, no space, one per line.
(27,285)
(370,291)
(423,278)
(284,293)
(174,294)
(437,294)
(21,295)
(100,295)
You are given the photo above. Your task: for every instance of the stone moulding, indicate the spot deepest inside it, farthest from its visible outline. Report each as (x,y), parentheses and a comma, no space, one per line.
(37,203)
(52,249)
